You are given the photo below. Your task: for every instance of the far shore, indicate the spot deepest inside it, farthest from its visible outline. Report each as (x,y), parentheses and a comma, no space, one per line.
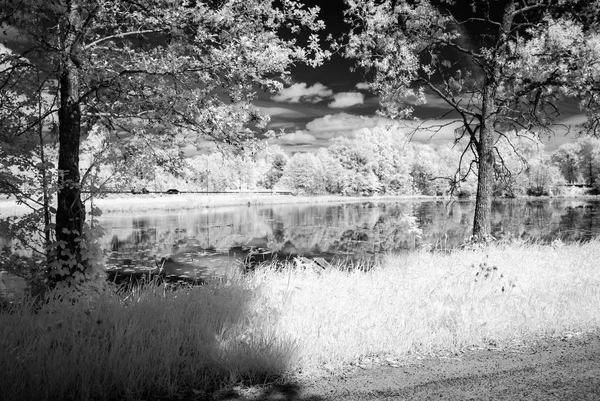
(140,203)
(124,203)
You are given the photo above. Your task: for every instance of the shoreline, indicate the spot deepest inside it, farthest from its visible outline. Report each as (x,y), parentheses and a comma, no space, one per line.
(142,203)
(121,203)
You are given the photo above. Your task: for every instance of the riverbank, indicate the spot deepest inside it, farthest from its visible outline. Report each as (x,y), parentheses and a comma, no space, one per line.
(144,203)
(300,323)
(141,203)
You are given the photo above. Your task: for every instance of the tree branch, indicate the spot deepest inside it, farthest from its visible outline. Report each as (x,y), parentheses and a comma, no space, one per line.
(120,35)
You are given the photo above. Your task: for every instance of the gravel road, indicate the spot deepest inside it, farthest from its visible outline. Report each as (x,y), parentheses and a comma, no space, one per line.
(557,369)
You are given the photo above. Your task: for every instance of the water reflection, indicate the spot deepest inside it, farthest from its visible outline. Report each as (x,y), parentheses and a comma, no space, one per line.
(200,241)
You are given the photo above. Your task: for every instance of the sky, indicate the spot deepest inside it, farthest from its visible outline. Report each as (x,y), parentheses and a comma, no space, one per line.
(329,101)
(332,101)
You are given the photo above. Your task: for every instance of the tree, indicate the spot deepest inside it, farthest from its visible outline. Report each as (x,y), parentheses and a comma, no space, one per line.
(431,173)
(334,175)
(544,178)
(566,157)
(589,160)
(515,152)
(498,66)
(390,157)
(161,70)
(276,159)
(304,174)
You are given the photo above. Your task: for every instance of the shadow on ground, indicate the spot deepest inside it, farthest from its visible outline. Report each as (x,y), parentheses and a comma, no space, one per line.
(269,392)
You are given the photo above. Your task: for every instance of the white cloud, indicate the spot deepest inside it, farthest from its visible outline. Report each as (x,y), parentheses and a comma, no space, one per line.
(432,130)
(320,131)
(362,86)
(345,122)
(298,137)
(349,125)
(301,91)
(347,99)
(279,111)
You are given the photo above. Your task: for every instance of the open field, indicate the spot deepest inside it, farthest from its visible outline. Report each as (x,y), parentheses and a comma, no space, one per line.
(299,323)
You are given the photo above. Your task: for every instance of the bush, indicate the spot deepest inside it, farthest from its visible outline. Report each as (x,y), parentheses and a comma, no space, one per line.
(537,191)
(463,193)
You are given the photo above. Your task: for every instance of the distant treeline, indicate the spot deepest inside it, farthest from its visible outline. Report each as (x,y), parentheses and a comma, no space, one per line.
(377,161)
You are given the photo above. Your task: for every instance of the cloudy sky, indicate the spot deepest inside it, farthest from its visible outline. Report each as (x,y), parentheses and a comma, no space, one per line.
(330,101)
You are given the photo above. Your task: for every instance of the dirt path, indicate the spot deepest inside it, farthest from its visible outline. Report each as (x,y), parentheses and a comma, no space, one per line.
(563,369)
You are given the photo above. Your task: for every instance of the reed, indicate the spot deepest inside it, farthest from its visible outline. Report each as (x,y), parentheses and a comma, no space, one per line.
(273,323)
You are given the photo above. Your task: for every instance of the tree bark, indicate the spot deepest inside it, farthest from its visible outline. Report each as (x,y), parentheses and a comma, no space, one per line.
(482,227)
(70,211)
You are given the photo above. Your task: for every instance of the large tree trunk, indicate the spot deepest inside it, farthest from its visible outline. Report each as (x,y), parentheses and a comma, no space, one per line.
(70,211)
(482,228)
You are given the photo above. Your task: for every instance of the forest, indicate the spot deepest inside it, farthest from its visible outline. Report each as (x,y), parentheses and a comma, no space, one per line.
(378,161)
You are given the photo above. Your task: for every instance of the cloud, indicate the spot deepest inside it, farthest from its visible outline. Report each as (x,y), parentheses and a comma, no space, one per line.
(298,137)
(345,122)
(349,126)
(432,130)
(282,125)
(319,132)
(563,133)
(301,91)
(279,111)
(362,86)
(347,99)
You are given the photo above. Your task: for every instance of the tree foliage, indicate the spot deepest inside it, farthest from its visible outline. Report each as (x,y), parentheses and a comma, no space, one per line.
(157,72)
(304,174)
(579,162)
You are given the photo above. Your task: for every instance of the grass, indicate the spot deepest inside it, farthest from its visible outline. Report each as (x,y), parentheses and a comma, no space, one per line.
(297,322)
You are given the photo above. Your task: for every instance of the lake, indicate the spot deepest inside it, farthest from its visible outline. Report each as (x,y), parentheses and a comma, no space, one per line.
(213,241)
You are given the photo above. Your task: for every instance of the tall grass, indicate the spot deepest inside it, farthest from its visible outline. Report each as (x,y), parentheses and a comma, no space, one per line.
(156,342)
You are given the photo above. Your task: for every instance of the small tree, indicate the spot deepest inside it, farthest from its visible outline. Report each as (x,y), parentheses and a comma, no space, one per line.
(277,160)
(304,173)
(589,161)
(544,178)
(515,152)
(498,66)
(334,175)
(566,157)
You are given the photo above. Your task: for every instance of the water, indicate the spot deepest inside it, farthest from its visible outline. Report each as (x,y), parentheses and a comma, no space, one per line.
(213,241)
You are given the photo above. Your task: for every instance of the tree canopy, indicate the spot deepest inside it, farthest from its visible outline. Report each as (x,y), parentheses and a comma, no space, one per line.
(159,72)
(498,66)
